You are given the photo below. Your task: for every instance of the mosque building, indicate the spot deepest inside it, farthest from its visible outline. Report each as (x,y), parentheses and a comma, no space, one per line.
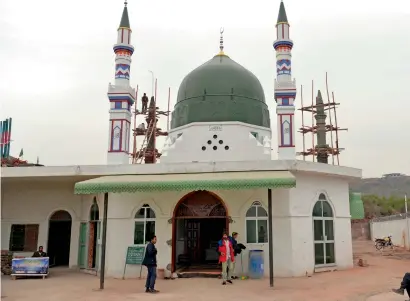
(215,174)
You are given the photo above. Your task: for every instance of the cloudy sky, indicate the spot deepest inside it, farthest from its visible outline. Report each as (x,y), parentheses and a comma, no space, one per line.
(57,60)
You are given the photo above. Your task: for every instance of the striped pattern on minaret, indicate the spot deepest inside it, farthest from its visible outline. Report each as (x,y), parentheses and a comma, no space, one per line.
(121,95)
(285,87)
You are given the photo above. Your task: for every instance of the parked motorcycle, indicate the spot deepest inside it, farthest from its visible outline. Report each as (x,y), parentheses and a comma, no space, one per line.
(381,243)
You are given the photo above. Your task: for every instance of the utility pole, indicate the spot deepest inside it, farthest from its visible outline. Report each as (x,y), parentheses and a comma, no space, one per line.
(152,83)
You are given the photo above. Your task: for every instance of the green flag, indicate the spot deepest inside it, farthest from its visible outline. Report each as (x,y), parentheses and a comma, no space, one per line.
(21,153)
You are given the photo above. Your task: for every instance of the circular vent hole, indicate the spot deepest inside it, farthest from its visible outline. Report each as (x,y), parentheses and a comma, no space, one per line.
(215,147)
(209,141)
(226,147)
(203,148)
(221,141)
(215,136)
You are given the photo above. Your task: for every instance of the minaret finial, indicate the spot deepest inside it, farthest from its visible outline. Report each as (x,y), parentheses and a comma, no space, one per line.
(221,42)
(125,3)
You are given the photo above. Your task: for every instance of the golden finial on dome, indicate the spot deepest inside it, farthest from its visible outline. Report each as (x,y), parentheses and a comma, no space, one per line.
(221,42)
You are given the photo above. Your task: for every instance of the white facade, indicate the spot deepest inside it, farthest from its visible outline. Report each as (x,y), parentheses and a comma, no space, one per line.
(285,91)
(121,97)
(217,142)
(31,195)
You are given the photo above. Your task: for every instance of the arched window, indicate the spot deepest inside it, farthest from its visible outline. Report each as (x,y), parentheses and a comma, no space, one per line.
(144,225)
(323,232)
(256,224)
(94,212)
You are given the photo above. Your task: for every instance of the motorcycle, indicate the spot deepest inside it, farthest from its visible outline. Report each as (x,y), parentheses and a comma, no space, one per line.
(381,243)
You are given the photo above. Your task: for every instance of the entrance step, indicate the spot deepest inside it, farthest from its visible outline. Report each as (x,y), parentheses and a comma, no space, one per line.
(200,271)
(199,274)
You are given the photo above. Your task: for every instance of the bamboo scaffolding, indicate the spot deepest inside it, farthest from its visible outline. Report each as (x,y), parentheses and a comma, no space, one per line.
(313,126)
(330,119)
(330,106)
(134,146)
(303,122)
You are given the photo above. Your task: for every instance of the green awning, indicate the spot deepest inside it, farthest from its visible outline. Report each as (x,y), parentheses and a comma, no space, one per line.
(187,181)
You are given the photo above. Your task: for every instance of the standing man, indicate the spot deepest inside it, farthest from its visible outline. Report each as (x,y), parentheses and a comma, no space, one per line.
(40,252)
(150,261)
(144,101)
(237,249)
(226,257)
(405,285)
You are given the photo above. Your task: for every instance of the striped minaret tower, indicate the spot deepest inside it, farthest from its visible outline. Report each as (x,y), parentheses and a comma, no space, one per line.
(121,96)
(285,88)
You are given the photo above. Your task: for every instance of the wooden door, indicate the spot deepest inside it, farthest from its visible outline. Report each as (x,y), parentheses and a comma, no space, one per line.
(192,246)
(82,246)
(98,246)
(91,244)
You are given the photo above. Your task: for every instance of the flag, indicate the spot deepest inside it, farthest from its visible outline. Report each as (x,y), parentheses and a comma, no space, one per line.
(21,153)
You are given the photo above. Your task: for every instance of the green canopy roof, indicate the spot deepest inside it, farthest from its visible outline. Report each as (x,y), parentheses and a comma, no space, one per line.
(189,182)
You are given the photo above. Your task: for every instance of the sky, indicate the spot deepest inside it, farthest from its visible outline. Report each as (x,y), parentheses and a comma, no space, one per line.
(57,60)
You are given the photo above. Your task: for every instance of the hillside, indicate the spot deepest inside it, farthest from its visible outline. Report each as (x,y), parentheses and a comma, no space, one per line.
(383,187)
(383,196)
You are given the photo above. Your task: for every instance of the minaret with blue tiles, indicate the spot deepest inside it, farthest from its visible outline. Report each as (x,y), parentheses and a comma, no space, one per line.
(285,88)
(121,96)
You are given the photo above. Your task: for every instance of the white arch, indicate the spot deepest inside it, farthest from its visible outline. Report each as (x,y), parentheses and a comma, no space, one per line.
(70,211)
(91,207)
(248,204)
(150,202)
(257,220)
(218,194)
(316,199)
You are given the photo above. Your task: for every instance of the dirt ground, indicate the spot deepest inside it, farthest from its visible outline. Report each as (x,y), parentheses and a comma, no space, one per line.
(371,283)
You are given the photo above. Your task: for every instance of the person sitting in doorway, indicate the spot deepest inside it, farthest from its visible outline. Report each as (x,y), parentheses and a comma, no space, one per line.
(405,285)
(150,261)
(40,252)
(226,257)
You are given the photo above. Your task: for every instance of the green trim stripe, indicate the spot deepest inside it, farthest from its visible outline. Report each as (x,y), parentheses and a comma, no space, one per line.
(93,187)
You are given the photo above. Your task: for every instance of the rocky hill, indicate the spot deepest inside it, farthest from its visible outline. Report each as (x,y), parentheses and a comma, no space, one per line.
(386,186)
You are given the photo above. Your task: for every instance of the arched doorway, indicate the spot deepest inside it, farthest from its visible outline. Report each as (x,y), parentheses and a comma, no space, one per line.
(199,219)
(59,238)
(93,235)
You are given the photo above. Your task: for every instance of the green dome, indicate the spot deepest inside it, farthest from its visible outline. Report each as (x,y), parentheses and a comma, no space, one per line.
(220,90)
(356,205)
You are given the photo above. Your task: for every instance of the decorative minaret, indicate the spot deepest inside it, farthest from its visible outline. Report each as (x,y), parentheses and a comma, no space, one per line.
(285,88)
(321,147)
(121,96)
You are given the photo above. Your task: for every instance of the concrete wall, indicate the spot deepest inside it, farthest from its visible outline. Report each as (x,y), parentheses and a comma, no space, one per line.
(361,230)
(398,229)
(302,200)
(234,142)
(122,209)
(292,225)
(35,203)
(292,220)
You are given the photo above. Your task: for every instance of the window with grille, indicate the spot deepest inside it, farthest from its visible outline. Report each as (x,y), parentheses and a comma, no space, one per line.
(24,238)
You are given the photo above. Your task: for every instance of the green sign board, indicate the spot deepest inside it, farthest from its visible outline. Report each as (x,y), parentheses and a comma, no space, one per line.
(135,255)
